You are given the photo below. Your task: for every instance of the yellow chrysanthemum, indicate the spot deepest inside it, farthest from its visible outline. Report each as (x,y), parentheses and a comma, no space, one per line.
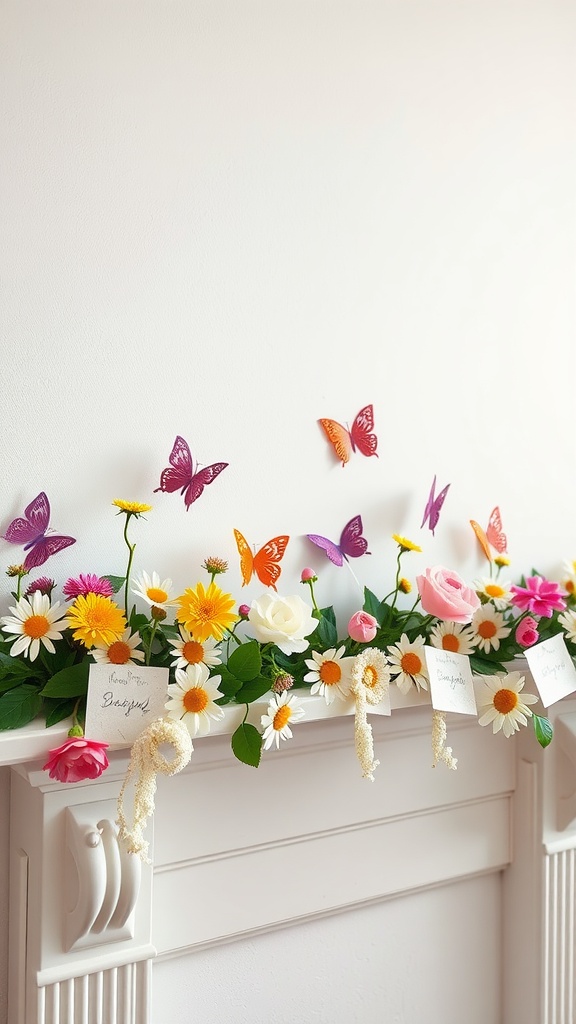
(206,613)
(132,508)
(96,620)
(404,544)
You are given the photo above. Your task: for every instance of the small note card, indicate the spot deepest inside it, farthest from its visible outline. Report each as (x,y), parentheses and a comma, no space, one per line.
(552,668)
(123,700)
(451,685)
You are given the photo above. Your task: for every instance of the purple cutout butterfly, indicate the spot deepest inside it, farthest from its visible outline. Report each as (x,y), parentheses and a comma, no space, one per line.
(434,506)
(31,532)
(182,475)
(352,543)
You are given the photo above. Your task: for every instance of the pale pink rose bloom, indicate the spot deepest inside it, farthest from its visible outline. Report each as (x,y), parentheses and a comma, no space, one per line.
(527,632)
(77,759)
(362,627)
(446,596)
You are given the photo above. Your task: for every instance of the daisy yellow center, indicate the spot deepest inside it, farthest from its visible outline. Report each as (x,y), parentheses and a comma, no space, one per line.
(370,677)
(119,653)
(192,652)
(487,629)
(36,626)
(450,642)
(505,701)
(570,587)
(282,717)
(330,673)
(195,699)
(493,590)
(156,595)
(411,663)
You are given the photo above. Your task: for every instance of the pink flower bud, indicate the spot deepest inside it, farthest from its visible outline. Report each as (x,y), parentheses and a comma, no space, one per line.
(244,611)
(362,627)
(527,632)
(307,574)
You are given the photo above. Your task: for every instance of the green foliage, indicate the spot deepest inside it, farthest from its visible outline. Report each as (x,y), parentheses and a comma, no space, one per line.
(247,745)
(69,682)
(543,729)
(19,706)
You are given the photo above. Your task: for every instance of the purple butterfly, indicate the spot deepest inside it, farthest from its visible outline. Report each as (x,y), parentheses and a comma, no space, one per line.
(182,475)
(31,532)
(433,506)
(352,543)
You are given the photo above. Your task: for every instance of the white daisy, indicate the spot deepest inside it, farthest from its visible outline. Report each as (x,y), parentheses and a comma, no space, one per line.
(189,651)
(408,663)
(499,593)
(568,580)
(119,652)
(501,704)
(452,636)
(35,622)
(568,622)
(154,592)
(330,674)
(281,710)
(191,699)
(488,628)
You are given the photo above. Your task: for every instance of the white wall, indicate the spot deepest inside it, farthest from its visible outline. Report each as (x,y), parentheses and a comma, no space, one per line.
(228,219)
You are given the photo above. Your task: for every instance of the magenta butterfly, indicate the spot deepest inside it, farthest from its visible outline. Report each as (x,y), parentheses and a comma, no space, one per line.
(31,532)
(352,543)
(434,506)
(182,475)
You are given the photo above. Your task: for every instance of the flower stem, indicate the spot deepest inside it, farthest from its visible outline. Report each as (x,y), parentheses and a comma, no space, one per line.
(152,634)
(131,549)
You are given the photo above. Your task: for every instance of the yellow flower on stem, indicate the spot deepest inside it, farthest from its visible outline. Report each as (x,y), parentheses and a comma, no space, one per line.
(206,613)
(404,544)
(96,620)
(132,508)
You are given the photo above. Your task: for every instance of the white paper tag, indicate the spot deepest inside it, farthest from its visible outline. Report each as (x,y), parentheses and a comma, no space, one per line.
(123,700)
(451,684)
(553,669)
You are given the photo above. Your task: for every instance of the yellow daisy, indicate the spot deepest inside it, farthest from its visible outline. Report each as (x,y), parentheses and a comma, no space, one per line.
(404,544)
(132,508)
(96,620)
(206,613)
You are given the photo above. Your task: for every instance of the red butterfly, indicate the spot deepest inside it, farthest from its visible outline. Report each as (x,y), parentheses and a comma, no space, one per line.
(184,476)
(494,534)
(361,436)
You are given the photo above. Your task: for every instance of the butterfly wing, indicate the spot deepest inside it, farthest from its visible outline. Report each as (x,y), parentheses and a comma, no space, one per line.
(178,475)
(435,503)
(266,560)
(429,504)
(246,557)
(37,513)
(43,547)
(201,479)
(352,543)
(362,434)
(339,439)
(331,549)
(482,539)
(495,533)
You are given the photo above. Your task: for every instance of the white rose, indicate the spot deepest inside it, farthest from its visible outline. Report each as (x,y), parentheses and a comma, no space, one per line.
(284,621)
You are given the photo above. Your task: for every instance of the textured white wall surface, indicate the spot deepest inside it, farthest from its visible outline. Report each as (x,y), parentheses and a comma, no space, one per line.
(227,219)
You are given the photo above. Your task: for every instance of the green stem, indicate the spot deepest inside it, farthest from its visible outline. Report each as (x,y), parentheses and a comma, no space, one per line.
(152,634)
(311,585)
(131,549)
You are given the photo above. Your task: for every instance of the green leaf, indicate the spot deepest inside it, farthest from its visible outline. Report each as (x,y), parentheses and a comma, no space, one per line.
(327,633)
(371,604)
(247,744)
(58,710)
(252,690)
(14,667)
(116,582)
(69,682)
(9,684)
(228,685)
(543,729)
(19,706)
(245,662)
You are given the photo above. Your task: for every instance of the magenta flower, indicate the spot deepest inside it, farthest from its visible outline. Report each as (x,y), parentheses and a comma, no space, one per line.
(527,632)
(77,759)
(87,584)
(539,596)
(43,584)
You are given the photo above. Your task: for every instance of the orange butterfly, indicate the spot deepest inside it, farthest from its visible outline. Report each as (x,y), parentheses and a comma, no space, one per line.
(494,534)
(264,563)
(360,437)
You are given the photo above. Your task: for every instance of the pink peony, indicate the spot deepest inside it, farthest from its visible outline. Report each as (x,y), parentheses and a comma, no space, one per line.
(444,594)
(527,632)
(87,583)
(362,627)
(77,759)
(539,596)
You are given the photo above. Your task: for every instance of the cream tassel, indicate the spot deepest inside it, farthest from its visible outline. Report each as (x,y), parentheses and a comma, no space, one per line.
(147,761)
(439,732)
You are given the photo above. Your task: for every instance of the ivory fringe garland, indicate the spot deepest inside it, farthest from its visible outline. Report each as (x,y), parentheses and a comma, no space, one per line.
(439,733)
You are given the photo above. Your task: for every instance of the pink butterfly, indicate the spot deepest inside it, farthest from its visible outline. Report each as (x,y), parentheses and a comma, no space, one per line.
(184,476)
(352,543)
(31,532)
(360,438)
(433,507)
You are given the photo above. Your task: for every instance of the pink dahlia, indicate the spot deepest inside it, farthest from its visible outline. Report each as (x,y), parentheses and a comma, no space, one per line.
(539,596)
(77,759)
(87,584)
(43,585)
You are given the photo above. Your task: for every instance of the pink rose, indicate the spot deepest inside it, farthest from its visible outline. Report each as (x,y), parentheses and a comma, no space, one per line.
(362,627)
(444,594)
(527,632)
(77,759)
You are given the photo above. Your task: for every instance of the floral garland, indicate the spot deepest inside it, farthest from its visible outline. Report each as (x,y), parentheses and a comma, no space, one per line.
(218,653)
